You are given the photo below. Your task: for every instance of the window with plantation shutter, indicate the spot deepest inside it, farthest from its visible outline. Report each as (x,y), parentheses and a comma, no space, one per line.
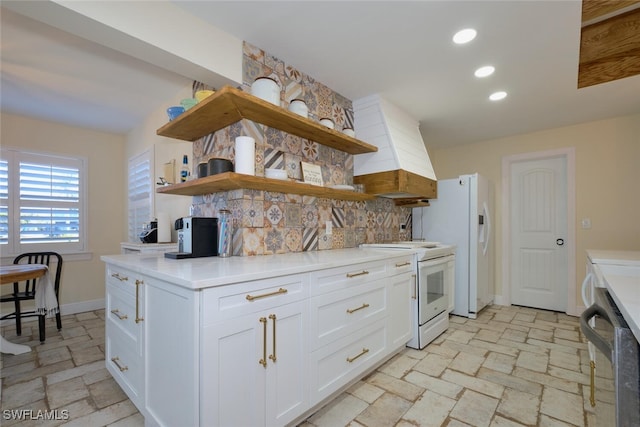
(140,194)
(43,202)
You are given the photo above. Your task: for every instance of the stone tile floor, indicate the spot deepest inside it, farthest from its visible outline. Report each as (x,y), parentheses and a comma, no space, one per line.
(512,366)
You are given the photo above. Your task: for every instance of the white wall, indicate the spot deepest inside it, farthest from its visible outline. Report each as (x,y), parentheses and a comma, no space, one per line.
(83,280)
(607,158)
(144,137)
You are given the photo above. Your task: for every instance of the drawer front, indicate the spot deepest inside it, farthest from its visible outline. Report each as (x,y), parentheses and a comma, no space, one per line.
(227,302)
(122,279)
(401,265)
(336,365)
(124,364)
(338,314)
(338,278)
(121,313)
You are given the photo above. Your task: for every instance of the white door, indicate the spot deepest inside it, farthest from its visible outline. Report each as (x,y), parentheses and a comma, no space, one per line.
(539,260)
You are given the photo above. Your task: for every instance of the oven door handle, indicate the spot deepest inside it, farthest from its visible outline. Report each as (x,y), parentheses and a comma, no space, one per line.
(591,334)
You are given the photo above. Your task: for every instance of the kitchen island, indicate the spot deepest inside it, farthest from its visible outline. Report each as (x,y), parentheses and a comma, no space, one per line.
(262,340)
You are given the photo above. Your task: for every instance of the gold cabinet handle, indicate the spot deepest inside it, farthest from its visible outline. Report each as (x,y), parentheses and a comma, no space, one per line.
(138,283)
(592,396)
(118,315)
(415,287)
(273,356)
(353,310)
(119,277)
(116,361)
(363,272)
(263,361)
(363,352)
(270,294)
(403,264)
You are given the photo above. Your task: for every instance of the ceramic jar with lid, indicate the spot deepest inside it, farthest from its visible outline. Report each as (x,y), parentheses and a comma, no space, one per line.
(299,107)
(266,88)
(327,122)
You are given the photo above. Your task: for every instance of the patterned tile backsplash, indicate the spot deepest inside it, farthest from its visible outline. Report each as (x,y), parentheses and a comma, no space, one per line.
(272,223)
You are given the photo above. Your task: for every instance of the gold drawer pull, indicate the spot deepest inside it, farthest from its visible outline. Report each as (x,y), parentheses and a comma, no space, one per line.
(363,272)
(263,361)
(363,352)
(273,356)
(270,294)
(117,363)
(119,277)
(403,264)
(138,283)
(592,387)
(353,310)
(117,313)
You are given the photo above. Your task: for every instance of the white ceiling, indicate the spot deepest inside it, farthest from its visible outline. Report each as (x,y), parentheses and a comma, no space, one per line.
(401,50)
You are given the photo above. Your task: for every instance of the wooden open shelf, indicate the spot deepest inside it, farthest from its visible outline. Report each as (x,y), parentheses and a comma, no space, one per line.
(229,105)
(236,181)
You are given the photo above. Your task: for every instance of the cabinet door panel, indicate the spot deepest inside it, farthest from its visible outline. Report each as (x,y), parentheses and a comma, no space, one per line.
(171,354)
(287,386)
(232,379)
(400,311)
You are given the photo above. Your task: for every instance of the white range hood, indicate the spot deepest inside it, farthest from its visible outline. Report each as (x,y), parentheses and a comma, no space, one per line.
(401,168)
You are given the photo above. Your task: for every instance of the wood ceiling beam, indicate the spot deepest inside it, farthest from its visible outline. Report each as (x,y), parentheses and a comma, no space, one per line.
(609,48)
(593,9)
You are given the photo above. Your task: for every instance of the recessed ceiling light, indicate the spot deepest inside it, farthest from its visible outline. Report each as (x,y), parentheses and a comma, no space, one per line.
(464,36)
(497,96)
(485,71)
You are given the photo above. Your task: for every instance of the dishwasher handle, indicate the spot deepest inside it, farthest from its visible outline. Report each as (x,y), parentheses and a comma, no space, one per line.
(591,334)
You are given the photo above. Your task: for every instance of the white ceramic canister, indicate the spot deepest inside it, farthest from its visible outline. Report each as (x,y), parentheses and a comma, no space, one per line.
(245,155)
(266,88)
(327,122)
(299,107)
(349,131)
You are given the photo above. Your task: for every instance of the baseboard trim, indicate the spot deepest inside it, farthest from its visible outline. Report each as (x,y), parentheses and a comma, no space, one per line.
(500,300)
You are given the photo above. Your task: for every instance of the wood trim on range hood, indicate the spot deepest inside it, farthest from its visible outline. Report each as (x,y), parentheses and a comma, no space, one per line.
(609,41)
(406,188)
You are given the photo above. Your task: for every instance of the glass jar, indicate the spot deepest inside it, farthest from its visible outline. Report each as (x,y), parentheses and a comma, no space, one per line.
(225,233)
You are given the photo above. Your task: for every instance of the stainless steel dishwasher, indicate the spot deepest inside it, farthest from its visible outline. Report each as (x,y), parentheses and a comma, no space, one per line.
(615,387)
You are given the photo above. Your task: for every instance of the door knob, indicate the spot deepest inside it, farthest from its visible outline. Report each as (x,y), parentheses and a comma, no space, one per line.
(559,242)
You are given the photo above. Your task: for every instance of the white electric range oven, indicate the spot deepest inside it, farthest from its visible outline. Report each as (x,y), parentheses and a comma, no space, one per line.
(433,298)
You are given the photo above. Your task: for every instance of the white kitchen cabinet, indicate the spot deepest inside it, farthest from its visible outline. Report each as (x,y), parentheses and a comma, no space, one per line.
(360,315)
(149,324)
(255,352)
(254,369)
(124,337)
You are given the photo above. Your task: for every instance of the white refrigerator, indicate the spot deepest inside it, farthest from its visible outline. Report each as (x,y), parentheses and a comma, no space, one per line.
(462,215)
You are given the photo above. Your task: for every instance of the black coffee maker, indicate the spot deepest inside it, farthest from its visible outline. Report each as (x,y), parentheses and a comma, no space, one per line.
(197,237)
(150,233)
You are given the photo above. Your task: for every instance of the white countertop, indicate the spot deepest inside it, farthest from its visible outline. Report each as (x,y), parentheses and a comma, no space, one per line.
(199,273)
(599,256)
(625,291)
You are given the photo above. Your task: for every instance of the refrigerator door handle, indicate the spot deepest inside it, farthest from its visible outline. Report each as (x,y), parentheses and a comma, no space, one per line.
(485,227)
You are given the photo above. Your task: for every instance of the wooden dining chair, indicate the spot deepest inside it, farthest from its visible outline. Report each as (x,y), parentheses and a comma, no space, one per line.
(26,290)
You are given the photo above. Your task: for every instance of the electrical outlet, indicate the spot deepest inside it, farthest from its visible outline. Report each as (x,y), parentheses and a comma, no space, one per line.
(329,228)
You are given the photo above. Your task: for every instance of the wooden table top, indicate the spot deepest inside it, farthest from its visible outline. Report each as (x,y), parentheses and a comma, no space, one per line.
(20,272)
